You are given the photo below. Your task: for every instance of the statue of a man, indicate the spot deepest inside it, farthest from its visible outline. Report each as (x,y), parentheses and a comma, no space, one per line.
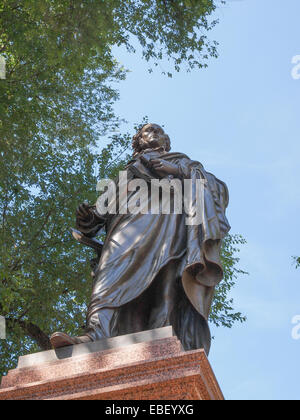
(155,269)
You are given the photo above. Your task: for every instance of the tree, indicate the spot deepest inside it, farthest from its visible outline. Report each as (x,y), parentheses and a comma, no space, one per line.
(55,105)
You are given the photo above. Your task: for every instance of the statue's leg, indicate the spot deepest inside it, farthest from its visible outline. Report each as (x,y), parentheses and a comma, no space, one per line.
(128,319)
(153,309)
(164,296)
(102,324)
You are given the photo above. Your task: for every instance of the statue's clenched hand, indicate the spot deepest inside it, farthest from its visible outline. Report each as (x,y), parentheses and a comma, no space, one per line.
(84,215)
(164,168)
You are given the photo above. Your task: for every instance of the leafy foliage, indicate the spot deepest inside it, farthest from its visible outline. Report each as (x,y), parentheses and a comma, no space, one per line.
(297,261)
(222,312)
(170,28)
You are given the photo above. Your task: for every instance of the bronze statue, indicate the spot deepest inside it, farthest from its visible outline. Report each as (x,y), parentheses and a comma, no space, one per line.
(154,269)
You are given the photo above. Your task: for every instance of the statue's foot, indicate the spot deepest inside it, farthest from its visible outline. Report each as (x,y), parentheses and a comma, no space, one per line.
(60,339)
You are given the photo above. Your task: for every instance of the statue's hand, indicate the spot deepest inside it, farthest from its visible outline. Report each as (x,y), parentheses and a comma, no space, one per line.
(164,168)
(84,215)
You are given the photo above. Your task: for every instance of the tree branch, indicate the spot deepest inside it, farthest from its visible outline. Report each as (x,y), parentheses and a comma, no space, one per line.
(33,331)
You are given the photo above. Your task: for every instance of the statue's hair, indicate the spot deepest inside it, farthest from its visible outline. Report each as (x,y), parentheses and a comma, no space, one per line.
(136,143)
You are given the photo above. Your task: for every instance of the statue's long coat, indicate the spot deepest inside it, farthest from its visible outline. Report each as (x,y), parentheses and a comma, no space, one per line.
(138,246)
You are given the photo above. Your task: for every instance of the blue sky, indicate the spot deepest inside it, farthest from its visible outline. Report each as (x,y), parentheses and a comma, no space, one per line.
(240,118)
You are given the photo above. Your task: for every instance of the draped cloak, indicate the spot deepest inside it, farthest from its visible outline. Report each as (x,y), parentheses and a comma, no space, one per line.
(139,246)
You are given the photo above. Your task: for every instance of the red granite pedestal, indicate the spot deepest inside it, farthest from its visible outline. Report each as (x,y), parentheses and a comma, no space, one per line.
(152,370)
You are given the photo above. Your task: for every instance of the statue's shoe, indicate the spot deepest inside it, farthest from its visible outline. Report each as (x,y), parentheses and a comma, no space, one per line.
(60,339)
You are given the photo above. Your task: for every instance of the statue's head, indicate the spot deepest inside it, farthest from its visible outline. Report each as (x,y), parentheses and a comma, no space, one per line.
(151,136)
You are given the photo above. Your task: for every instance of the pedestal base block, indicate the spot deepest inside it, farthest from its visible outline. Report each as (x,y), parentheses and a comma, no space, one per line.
(151,370)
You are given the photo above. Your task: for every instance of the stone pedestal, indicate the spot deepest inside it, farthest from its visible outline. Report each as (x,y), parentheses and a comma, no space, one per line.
(145,366)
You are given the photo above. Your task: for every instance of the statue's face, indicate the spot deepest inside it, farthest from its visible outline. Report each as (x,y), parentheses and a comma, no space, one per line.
(152,136)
